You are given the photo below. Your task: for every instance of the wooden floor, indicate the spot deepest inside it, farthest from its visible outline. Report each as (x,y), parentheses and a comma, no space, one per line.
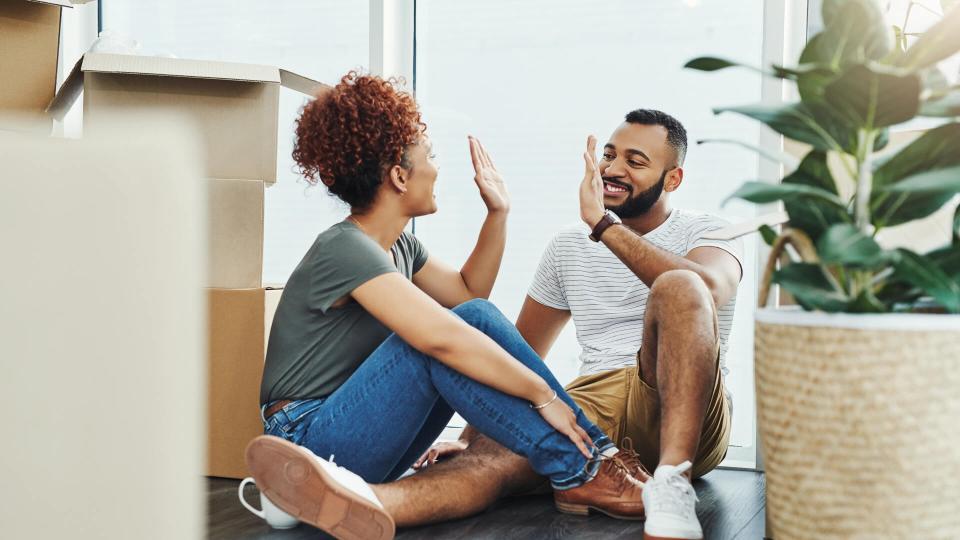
(731,508)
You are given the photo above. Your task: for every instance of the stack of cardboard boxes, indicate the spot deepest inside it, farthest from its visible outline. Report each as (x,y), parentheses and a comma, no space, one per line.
(29,47)
(234,109)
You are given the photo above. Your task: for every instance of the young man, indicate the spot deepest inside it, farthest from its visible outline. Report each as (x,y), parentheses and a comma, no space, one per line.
(652,302)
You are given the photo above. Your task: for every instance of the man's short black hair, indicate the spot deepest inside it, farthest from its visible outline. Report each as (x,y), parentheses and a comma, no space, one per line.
(676,134)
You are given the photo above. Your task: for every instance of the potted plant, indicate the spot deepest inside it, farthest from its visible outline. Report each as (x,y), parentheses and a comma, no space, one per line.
(858,392)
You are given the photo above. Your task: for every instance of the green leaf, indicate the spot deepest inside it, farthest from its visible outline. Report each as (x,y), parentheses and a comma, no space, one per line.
(867,302)
(937,148)
(917,196)
(814,123)
(940,41)
(921,272)
(854,31)
(947,259)
(946,105)
(844,244)
(934,79)
(897,292)
(781,157)
(857,31)
(813,216)
(899,39)
(956,227)
(810,286)
(804,70)
(883,137)
(711,63)
(768,234)
(906,207)
(817,52)
(944,181)
(871,97)
(762,192)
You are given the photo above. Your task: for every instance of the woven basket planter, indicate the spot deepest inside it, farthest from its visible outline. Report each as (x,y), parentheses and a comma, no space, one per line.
(859,419)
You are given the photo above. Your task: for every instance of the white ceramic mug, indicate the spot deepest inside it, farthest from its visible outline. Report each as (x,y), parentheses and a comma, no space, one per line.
(275,517)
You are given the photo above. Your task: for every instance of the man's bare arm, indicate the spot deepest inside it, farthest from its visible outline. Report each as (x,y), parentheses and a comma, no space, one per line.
(719,269)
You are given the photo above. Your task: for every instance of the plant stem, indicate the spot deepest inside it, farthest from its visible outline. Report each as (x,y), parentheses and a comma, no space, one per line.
(865,140)
(860,279)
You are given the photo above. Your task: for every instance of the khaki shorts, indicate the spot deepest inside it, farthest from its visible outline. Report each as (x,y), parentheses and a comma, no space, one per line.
(621,404)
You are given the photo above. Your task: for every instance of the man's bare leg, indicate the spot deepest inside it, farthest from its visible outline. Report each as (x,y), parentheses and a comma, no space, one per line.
(678,357)
(461,486)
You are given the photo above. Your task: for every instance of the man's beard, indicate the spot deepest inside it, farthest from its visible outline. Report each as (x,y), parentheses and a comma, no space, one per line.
(642,203)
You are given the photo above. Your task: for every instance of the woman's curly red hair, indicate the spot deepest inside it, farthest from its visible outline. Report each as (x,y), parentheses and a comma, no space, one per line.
(350,135)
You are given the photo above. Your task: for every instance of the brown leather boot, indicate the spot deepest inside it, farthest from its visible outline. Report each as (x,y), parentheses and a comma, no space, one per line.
(613,491)
(632,460)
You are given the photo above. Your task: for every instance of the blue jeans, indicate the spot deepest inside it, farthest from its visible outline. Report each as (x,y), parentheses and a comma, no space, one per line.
(399,400)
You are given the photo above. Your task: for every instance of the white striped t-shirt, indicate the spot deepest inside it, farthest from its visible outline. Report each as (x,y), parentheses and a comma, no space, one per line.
(606,299)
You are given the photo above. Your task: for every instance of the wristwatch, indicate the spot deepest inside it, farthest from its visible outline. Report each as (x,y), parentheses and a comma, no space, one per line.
(608,219)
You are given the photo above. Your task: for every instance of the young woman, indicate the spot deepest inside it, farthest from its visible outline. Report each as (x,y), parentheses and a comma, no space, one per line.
(375,343)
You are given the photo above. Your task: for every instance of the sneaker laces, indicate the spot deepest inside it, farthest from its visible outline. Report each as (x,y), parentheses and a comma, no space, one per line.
(670,491)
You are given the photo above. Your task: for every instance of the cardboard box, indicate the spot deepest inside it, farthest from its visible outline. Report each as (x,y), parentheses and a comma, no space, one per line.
(102,359)
(29,47)
(235,106)
(235,232)
(239,323)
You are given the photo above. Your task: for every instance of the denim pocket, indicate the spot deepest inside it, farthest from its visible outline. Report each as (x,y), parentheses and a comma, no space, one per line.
(290,418)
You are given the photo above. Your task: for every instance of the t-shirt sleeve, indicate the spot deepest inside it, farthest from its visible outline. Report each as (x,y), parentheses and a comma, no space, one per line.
(704,224)
(546,288)
(416,251)
(341,264)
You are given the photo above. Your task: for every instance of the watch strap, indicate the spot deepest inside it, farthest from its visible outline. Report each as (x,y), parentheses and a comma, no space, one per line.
(605,222)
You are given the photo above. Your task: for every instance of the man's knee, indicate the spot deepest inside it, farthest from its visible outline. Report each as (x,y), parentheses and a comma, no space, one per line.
(681,291)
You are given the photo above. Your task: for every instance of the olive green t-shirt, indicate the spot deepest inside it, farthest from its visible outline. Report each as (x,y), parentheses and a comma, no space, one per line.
(313,347)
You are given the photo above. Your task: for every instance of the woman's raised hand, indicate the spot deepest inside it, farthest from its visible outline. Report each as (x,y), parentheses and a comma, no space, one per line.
(493,190)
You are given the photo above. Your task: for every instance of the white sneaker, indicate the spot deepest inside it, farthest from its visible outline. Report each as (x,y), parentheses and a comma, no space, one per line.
(670,504)
(317,491)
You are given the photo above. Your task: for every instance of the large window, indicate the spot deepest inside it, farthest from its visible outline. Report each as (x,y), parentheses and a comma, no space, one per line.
(533,79)
(322,39)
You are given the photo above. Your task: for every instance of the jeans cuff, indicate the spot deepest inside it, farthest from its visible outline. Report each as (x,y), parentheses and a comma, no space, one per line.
(585,475)
(603,443)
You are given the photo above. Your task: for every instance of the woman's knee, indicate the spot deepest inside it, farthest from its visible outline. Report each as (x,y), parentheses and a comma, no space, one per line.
(477,310)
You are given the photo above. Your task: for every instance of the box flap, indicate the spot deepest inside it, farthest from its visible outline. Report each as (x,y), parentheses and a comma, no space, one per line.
(178,67)
(68,93)
(299,83)
(169,67)
(61,3)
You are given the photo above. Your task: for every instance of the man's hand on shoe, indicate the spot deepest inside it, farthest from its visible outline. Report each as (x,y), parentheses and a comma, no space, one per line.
(440,450)
(591,189)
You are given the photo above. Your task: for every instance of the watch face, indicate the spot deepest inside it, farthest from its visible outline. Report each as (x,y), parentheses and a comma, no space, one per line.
(614,217)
